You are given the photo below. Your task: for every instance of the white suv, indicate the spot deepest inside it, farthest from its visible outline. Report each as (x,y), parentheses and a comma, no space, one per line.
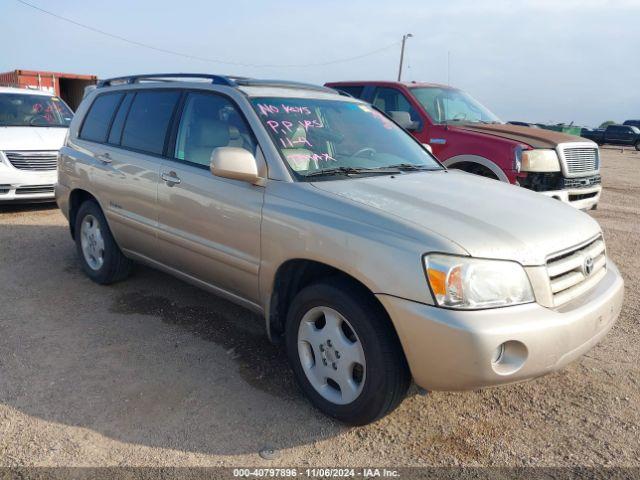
(33,125)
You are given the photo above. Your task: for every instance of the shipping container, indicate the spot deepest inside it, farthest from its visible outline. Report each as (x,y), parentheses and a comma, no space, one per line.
(68,86)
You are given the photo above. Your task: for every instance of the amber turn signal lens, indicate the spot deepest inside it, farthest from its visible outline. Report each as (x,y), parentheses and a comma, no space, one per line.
(437,281)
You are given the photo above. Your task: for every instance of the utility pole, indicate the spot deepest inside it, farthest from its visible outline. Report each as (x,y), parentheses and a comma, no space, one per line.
(404,39)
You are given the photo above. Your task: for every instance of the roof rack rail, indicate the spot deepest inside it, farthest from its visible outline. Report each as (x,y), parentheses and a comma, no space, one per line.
(129,79)
(227,80)
(254,82)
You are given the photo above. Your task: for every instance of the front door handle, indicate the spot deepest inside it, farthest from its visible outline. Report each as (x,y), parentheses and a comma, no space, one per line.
(170,178)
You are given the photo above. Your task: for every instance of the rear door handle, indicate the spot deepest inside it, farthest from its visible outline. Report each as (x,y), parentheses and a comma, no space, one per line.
(170,178)
(104,157)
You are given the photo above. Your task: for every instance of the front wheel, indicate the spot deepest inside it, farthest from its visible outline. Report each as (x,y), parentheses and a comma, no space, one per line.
(344,352)
(637,145)
(99,254)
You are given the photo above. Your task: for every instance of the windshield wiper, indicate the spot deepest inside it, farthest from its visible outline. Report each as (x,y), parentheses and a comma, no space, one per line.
(411,166)
(351,171)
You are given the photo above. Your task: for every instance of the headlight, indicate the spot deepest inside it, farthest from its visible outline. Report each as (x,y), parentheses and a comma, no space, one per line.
(468,283)
(540,160)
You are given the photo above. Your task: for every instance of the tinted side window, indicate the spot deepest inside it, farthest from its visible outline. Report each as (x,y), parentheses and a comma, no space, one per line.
(390,100)
(208,122)
(148,120)
(118,121)
(353,90)
(96,124)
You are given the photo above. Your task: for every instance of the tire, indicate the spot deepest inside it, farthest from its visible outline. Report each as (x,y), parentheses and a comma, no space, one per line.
(101,258)
(483,172)
(373,389)
(637,145)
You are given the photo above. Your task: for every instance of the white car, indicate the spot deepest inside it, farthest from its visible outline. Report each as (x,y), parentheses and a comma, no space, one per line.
(33,126)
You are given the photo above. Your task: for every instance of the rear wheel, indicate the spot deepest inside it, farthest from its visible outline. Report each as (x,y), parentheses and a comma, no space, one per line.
(99,254)
(344,352)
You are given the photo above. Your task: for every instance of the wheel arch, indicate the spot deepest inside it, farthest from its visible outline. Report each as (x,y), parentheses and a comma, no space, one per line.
(291,277)
(460,161)
(76,198)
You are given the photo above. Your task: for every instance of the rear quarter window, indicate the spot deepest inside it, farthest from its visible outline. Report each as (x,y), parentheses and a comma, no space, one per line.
(96,124)
(148,120)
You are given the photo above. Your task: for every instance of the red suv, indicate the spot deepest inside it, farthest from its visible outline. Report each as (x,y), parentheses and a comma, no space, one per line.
(464,134)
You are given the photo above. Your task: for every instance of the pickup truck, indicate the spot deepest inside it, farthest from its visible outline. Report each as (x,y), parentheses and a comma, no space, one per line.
(465,135)
(615,135)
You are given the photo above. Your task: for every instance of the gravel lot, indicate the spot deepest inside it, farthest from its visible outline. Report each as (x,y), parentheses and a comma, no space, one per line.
(155,372)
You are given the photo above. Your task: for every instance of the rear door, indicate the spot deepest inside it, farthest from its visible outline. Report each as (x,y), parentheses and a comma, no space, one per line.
(108,165)
(613,134)
(209,227)
(131,158)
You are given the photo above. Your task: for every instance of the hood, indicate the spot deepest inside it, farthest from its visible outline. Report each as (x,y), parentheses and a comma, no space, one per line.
(535,137)
(32,138)
(487,218)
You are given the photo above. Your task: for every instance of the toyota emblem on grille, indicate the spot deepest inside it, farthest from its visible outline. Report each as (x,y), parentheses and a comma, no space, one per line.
(587,266)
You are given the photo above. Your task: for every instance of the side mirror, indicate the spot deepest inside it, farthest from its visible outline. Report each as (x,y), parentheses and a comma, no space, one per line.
(234,163)
(404,120)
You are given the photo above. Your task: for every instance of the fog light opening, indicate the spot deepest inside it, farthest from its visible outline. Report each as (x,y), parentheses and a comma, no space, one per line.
(509,357)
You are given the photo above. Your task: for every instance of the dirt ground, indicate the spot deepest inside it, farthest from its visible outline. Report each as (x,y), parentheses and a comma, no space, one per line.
(155,372)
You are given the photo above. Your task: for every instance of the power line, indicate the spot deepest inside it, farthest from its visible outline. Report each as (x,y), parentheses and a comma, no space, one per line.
(204,59)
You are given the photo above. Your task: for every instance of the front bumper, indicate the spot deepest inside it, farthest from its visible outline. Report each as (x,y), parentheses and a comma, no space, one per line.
(26,186)
(582,198)
(453,349)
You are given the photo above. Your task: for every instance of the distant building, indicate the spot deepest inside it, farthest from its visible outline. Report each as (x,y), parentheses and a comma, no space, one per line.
(68,86)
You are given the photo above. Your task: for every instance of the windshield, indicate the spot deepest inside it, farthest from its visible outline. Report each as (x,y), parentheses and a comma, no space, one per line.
(446,105)
(336,137)
(23,110)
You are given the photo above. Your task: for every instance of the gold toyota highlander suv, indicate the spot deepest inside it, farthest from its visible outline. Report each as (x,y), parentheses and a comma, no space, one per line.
(373,263)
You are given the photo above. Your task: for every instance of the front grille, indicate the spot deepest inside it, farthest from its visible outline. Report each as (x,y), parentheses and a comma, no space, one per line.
(4,189)
(546,181)
(581,160)
(34,189)
(33,160)
(569,272)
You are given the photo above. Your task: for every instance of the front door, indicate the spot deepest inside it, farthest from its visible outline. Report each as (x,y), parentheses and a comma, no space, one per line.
(209,227)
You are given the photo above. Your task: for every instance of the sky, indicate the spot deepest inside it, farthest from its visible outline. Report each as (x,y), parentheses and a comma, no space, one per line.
(541,61)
